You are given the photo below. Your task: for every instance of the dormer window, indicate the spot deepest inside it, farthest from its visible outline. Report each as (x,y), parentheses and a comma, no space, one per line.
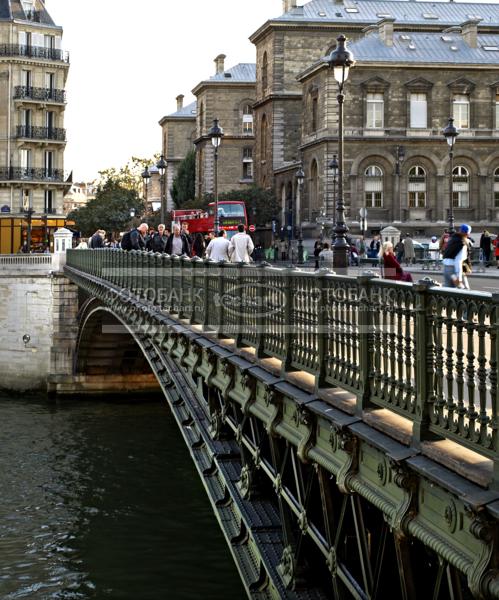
(28,7)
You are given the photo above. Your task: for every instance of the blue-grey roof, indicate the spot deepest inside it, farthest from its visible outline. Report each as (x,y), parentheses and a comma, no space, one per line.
(12,9)
(243,72)
(427,48)
(371,11)
(186,111)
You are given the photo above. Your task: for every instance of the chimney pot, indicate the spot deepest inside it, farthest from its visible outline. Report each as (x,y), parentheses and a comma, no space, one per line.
(220,63)
(287,5)
(180,101)
(385,27)
(469,31)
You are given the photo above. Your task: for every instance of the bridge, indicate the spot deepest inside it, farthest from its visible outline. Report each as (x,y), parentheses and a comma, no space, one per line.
(345,429)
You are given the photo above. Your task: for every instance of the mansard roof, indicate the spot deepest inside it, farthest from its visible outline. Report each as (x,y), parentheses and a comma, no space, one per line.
(243,72)
(403,11)
(11,10)
(185,112)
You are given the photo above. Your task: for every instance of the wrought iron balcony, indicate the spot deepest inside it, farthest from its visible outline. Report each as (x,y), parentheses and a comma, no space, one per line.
(34,52)
(31,174)
(22,92)
(41,133)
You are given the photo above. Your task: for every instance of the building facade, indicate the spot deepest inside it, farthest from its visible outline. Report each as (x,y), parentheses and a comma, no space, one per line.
(78,196)
(33,74)
(178,132)
(228,96)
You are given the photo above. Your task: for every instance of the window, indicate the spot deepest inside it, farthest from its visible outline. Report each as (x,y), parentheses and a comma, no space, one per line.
(497,109)
(50,81)
(460,187)
(373,187)
(49,163)
(418,111)
(48,201)
(247,163)
(264,72)
(496,188)
(50,119)
(417,187)
(314,112)
(25,159)
(375,109)
(26,199)
(201,118)
(26,117)
(49,41)
(263,136)
(248,120)
(26,79)
(314,191)
(461,111)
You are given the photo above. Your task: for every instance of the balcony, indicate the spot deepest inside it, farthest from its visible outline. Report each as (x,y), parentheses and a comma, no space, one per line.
(34,52)
(31,174)
(22,92)
(41,133)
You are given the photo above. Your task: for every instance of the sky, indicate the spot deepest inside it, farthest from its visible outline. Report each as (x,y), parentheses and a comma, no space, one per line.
(128,62)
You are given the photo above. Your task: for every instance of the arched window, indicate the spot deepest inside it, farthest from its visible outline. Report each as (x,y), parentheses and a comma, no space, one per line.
(313,203)
(460,187)
(373,187)
(265,80)
(201,118)
(417,187)
(263,137)
(248,120)
(496,188)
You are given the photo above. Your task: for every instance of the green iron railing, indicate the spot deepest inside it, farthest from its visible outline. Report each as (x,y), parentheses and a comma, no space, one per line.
(427,353)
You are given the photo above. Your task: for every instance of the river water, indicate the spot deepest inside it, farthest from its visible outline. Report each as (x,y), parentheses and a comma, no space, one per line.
(101,500)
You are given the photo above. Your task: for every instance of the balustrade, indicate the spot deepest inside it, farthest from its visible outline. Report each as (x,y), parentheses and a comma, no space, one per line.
(429,354)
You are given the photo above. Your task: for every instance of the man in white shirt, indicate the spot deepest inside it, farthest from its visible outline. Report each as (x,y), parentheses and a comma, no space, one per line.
(242,246)
(218,248)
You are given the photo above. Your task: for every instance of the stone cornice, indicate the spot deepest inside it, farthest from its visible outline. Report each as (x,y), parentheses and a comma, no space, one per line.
(222,84)
(272,97)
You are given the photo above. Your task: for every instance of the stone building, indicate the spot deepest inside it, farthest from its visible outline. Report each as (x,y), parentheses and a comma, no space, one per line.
(178,132)
(417,64)
(78,196)
(33,73)
(229,96)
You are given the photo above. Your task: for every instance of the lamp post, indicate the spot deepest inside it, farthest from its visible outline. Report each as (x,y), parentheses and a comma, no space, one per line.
(340,61)
(399,159)
(333,165)
(215,134)
(161,166)
(450,134)
(28,211)
(300,178)
(146,178)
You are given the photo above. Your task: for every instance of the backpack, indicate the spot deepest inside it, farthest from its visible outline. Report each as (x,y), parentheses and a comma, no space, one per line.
(126,241)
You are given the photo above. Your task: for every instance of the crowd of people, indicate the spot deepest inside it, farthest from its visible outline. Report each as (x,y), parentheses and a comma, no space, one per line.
(178,241)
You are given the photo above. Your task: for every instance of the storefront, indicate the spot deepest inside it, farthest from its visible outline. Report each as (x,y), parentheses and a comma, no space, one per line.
(14,233)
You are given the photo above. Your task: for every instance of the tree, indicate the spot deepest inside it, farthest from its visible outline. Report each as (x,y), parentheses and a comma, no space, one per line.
(109,210)
(129,176)
(183,187)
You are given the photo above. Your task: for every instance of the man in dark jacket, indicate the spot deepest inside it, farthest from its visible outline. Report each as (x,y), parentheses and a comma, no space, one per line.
(97,240)
(157,242)
(178,243)
(454,255)
(137,237)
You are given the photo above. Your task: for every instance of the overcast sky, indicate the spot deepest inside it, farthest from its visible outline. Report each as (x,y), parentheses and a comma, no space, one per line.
(129,60)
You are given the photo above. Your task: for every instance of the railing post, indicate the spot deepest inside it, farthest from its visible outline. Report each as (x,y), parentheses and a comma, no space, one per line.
(260,318)
(424,365)
(221,290)
(206,300)
(366,336)
(322,333)
(493,378)
(288,312)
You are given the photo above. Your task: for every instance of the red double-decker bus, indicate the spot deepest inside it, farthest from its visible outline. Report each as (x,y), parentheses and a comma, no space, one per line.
(231,213)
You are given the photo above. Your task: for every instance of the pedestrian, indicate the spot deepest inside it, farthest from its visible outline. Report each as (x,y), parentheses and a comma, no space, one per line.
(434,250)
(82,245)
(97,240)
(496,246)
(178,242)
(443,240)
(399,250)
(486,247)
(135,238)
(219,248)
(318,247)
(374,247)
(361,246)
(455,253)
(409,253)
(283,248)
(198,246)
(391,266)
(258,253)
(326,256)
(185,231)
(242,246)
(157,242)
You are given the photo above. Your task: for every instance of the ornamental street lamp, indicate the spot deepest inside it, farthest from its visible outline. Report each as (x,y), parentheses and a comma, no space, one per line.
(450,134)
(300,178)
(216,134)
(28,211)
(146,178)
(340,61)
(399,159)
(333,165)
(161,166)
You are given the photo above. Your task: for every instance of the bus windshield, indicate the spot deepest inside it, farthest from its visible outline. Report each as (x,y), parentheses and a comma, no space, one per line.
(229,210)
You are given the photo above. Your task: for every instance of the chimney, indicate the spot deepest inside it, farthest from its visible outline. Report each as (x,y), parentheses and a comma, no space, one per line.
(385,28)
(180,101)
(287,5)
(469,30)
(220,63)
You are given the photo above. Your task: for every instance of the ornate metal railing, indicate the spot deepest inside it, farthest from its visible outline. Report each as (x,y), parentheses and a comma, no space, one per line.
(34,52)
(427,353)
(22,92)
(30,174)
(41,133)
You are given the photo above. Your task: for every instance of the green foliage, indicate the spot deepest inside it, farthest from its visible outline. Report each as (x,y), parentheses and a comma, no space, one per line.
(109,210)
(183,187)
(129,176)
(261,205)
